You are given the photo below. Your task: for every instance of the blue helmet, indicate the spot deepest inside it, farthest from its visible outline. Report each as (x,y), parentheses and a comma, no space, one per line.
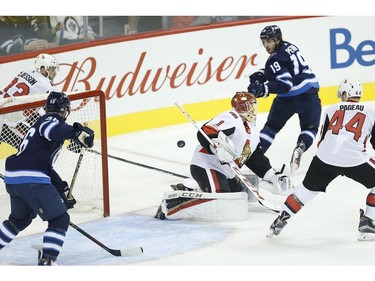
(57,102)
(271,32)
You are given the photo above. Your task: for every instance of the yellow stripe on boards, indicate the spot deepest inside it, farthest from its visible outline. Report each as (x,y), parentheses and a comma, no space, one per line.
(162,117)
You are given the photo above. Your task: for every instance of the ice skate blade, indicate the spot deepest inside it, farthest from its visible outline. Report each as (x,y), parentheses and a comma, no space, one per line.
(363,236)
(270,234)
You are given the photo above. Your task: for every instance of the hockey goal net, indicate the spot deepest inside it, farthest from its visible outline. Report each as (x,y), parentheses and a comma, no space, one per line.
(90,190)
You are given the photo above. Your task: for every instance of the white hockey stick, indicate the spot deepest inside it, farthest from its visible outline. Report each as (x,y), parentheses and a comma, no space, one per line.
(80,157)
(234,167)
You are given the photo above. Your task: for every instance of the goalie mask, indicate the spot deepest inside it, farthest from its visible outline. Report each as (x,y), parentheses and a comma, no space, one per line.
(47,61)
(351,87)
(245,104)
(58,102)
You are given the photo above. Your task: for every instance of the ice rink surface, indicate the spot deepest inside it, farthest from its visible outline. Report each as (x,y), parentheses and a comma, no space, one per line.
(321,240)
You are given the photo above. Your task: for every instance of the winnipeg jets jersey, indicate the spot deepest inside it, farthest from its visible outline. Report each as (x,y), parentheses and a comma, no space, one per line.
(288,73)
(245,138)
(344,134)
(38,151)
(28,83)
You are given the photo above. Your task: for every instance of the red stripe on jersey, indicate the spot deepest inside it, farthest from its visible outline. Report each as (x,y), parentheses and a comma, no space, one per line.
(370,200)
(215,181)
(210,130)
(205,151)
(293,204)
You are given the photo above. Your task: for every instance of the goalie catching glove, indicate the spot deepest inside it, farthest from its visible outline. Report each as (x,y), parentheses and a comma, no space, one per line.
(84,136)
(224,148)
(63,189)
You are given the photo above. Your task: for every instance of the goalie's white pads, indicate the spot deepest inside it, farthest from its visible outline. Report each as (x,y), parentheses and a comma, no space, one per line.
(224,150)
(205,206)
(277,183)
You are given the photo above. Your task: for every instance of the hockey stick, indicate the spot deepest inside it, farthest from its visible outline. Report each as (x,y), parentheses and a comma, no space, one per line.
(138,164)
(80,157)
(115,252)
(233,166)
(118,253)
(128,252)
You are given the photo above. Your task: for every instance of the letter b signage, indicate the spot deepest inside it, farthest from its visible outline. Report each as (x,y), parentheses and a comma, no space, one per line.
(343,54)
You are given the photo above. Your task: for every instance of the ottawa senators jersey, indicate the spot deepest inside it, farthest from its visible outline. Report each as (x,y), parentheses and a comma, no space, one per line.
(28,83)
(347,127)
(245,138)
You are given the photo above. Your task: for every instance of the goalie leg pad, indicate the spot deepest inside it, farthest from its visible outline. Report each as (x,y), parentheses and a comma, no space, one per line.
(205,206)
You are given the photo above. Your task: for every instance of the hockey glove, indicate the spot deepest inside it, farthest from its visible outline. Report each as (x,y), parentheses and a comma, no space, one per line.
(277,183)
(259,90)
(258,76)
(84,136)
(224,149)
(64,189)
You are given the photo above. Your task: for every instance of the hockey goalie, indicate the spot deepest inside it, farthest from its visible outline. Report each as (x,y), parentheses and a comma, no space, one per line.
(214,191)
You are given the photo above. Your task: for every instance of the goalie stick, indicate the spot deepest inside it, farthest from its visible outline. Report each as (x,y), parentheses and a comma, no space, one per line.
(233,166)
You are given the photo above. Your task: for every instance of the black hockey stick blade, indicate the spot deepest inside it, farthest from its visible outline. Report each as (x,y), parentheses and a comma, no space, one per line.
(115,252)
(129,252)
(138,164)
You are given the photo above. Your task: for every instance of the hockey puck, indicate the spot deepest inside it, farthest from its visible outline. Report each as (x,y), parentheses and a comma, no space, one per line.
(180,143)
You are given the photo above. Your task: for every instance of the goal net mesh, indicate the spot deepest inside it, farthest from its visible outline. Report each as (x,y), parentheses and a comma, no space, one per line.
(90,189)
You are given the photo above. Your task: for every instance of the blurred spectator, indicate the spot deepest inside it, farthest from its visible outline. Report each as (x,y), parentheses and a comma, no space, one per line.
(186,21)
(132,26)
(18,34)
(71,29)
(11,41)
(181,21)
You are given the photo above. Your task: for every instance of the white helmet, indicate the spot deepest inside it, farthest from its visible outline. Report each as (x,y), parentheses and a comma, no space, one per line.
(352,88)
(47,61)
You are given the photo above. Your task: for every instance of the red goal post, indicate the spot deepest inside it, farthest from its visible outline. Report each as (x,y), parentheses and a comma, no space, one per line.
(91,186)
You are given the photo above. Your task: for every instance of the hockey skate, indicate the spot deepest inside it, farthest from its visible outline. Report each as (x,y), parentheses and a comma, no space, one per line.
(366,227)
(159,214)
(295,162)
(181,186)
(278,224)
(45,261)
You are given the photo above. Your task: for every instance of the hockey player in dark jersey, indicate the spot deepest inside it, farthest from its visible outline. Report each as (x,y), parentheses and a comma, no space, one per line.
(287,75)
(34,186)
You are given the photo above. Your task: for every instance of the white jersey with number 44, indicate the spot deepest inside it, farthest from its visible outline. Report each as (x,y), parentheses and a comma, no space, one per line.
(346,129)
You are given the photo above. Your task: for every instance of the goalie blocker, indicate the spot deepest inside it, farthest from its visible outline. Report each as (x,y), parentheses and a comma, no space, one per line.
(204,206)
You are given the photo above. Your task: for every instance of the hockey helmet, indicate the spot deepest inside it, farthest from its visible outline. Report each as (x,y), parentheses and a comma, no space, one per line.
(47,61)
(57,102)
(271,32)
(352,88)
(245,104)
